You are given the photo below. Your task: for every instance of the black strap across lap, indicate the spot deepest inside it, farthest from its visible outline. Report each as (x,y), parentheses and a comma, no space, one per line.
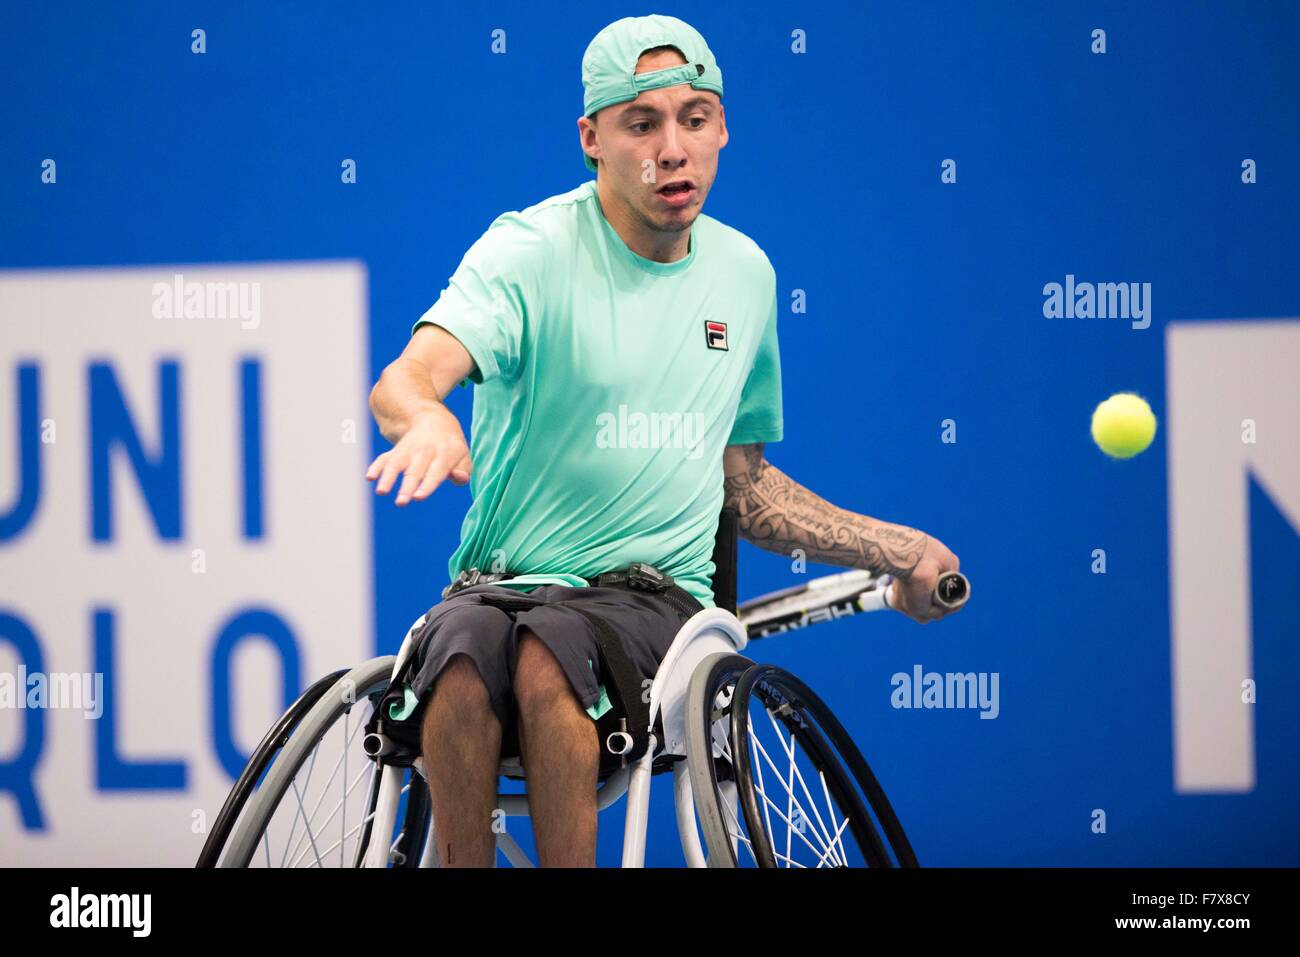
(624,684)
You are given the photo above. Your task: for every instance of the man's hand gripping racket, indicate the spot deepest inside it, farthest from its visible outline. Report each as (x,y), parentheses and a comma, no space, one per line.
(839,596)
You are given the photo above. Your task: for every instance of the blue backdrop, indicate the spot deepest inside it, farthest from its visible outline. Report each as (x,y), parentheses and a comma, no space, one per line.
(925,303)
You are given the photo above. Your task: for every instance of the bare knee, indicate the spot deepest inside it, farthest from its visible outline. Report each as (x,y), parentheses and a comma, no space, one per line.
(540,682)
(459,694)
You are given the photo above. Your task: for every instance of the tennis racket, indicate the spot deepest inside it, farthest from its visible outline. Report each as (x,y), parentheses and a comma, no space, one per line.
(831,597)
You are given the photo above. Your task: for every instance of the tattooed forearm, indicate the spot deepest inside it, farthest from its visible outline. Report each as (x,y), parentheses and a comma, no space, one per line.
(780,515)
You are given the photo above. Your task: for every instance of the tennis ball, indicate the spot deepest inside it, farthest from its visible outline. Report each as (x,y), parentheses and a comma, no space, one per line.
(1123,425)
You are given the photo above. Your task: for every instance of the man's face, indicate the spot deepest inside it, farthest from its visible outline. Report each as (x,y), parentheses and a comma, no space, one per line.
(663,137)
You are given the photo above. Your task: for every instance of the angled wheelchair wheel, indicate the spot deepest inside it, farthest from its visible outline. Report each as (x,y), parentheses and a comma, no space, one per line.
(260,760)
(316,802)
(777,781)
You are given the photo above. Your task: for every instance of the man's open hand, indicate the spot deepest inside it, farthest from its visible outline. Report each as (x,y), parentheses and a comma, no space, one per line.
(432,450)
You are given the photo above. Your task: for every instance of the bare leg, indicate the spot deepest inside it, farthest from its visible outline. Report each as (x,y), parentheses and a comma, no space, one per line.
(461,744)
(560,755)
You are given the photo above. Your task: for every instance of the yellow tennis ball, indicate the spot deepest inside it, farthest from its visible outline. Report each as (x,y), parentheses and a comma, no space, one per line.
(1123,425)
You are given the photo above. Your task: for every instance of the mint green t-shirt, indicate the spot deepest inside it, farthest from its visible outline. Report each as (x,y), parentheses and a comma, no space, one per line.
(606,387)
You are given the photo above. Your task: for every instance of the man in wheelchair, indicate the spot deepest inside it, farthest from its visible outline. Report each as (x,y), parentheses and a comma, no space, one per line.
(623,348)
(503,661)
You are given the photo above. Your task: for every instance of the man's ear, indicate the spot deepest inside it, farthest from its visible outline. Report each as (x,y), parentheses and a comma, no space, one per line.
(586,138)
(722,120)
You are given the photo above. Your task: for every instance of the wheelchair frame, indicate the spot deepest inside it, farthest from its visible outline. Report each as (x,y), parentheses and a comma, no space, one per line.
(708,632)
(677,708)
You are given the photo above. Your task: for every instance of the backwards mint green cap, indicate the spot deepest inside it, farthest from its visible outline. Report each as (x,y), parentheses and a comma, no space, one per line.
(609,66)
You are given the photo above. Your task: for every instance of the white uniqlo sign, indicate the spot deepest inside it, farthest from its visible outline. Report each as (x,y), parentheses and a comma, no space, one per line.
(1233,408)
(185,539)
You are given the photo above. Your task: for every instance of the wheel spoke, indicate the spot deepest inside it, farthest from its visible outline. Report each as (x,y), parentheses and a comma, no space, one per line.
(718,730)
(812,761)
(347,743)
(830,812)
(788,747)
(342,802)
(748,844)
(737,832)
(822,854)
(763,794)
(300,793)
(767,815)
(307,831)
(311,766)
(356,827)
(843,861)
(789,788)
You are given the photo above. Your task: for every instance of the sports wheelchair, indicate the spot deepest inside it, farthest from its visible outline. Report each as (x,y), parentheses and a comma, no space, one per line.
(763,773)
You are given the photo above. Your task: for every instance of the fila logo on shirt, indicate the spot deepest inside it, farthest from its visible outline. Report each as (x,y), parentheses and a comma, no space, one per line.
(715,334)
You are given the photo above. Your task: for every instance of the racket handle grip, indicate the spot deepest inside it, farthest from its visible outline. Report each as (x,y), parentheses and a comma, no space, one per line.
(950,591)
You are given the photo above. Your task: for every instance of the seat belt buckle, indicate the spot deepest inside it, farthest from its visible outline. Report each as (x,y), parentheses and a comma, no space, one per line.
(467,578)
(644,577)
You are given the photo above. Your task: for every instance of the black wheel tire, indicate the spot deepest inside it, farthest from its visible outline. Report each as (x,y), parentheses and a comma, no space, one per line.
(821,736)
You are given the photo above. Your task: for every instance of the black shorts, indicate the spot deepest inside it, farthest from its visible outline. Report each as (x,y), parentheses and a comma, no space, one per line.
(489,636)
